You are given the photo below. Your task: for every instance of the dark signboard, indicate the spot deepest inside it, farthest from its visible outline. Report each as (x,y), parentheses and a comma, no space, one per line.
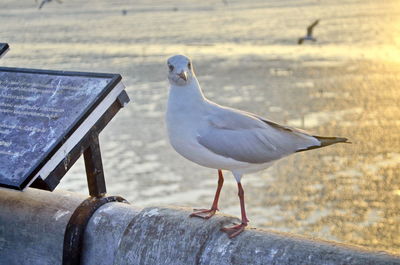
(39,112)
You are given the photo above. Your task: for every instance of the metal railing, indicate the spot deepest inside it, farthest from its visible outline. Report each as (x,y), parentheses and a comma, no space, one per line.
(33,225)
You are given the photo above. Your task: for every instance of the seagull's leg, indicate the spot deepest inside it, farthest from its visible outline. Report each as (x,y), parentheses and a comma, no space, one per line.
(237,229)
(207,213)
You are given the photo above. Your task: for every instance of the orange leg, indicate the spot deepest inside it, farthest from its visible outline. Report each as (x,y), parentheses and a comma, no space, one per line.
(237,229)
(208,213)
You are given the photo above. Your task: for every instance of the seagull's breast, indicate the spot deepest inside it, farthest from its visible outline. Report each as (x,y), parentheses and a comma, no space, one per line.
(184,122)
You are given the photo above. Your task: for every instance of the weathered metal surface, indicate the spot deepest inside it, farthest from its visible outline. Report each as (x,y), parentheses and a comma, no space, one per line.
(32,225)
(74,232)
(167,236)
(104,232)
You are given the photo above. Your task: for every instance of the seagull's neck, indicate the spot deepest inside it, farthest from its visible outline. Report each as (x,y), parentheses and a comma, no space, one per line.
(189,95)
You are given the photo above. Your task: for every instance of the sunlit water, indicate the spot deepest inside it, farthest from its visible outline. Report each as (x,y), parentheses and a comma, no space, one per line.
(245,56)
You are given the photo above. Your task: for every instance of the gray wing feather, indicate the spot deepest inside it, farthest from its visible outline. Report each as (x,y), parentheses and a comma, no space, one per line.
(247,138)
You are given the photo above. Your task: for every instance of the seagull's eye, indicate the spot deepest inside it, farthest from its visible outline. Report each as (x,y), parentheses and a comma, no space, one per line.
(171,67)
(189,65)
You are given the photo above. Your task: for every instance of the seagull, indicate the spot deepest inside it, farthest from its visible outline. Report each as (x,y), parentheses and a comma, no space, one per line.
(47,1)
(224,138)
(309,33)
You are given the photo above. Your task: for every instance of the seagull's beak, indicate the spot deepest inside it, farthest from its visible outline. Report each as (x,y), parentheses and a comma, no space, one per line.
(183,75)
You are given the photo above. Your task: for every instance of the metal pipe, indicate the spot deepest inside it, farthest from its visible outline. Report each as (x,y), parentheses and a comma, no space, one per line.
(32,225)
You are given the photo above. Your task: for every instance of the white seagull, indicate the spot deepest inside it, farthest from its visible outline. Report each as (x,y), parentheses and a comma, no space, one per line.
(224,138)
(309,35)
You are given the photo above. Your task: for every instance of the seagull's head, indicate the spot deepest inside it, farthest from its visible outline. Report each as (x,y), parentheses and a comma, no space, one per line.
(180,70)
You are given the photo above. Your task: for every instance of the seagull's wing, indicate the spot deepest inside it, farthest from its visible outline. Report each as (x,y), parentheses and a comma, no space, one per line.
(42,4)
(245,137)
(311,27)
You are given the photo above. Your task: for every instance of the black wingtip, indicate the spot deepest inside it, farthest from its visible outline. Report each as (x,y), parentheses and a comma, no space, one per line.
(325,141)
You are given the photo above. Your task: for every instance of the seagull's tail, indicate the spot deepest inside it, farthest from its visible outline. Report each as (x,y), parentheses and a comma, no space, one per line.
(325,141)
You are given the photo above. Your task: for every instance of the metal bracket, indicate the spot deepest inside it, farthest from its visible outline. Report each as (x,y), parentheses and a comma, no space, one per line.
(74,232)
(94,168)
(89,147)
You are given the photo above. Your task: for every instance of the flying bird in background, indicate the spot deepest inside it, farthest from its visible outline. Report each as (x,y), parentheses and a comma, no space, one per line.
(224,138)
(309,35)
(47,1)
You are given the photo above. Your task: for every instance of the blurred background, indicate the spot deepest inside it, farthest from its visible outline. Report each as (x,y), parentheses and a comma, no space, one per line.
(245,54)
